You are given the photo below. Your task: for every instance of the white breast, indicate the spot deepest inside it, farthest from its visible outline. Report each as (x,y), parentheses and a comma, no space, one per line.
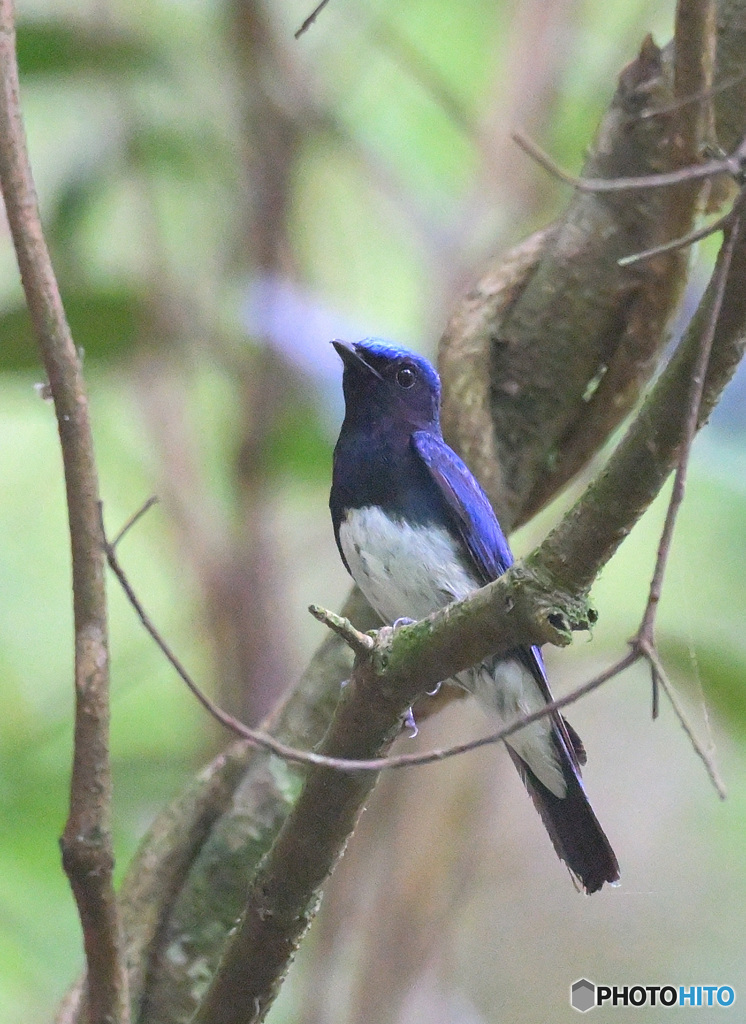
(409,572)
(404,571)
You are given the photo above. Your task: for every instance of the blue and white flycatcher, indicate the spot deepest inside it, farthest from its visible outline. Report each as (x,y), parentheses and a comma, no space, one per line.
(416,531)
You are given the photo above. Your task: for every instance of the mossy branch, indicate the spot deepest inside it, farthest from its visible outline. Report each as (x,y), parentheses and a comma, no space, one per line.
(540,600)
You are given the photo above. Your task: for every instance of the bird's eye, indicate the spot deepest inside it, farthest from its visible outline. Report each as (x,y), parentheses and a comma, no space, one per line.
(405,377)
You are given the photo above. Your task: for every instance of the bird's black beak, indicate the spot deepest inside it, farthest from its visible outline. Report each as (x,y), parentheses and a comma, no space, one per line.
(352,358)
(345,351)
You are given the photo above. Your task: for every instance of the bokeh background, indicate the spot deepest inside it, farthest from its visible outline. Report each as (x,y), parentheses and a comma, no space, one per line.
(220,201)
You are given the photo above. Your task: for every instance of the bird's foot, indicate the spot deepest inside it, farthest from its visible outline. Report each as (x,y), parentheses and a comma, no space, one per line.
(409,723)
(435,691)
(403,621)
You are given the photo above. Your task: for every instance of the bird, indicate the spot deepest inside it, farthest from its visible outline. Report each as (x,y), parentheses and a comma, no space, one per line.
(416,531)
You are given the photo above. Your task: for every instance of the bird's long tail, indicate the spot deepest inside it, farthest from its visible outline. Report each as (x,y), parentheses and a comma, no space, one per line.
(570,821)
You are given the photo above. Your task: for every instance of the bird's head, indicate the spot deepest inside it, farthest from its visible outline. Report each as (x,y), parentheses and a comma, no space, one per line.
(382,380)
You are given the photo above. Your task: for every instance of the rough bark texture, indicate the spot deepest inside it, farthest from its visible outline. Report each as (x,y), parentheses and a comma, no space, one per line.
(541,601)
(213,891)
(553,347)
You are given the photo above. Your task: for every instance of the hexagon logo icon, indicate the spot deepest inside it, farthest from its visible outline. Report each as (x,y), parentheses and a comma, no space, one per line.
(582,995)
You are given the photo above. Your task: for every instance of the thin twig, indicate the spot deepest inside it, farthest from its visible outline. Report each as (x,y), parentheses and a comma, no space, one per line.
(254,736)
(643,460)
(434,756)
(87,852)
(694,402)
(337,623)
(684,101)
(677,243)
(134,518)
(359,642)
(310,19)
(694,44)
(645,639)
(659,673)
(727,165)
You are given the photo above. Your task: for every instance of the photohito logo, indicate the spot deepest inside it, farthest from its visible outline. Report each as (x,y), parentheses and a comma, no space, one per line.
(585,994)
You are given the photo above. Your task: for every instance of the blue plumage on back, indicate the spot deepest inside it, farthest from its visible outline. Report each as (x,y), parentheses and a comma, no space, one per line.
(416,531)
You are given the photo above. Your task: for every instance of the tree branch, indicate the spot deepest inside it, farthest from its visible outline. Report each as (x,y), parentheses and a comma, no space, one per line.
(693,75)
(593,529)
(308,21)
(731,42)
(213,890)
(692,414)
(513,337)
(157,872)
(212,893)
(364,645)
(511,630)
(86,844)
(549,592)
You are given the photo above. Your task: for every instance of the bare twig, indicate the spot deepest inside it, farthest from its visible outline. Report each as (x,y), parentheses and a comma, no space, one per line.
(133,519)
(660,676)
(256,737)
(359,642)
(86,844)
(699,372)
(645,640)
(726,165)
(310,19)
(677,243)
(508,343)
(642,461)
(362,644)
(378,764)
(703,94)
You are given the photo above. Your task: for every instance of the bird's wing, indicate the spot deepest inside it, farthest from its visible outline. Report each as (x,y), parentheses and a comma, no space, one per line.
(467,505)
(474,519)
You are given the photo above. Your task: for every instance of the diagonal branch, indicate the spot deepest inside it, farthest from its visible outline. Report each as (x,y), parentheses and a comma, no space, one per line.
(364,645)
(644,642)
(86,844)
(661,679)
(513,337)
(689,432)
(310,19)
(593,529)
(629,183)
(548,590)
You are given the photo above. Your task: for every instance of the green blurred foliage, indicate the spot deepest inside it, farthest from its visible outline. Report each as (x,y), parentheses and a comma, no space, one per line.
(50,48)
(104,324)
(133,119)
